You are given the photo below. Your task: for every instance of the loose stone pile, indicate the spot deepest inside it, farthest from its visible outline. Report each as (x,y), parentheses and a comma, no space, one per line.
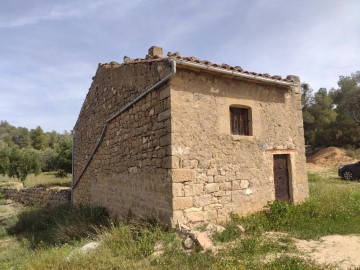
(38,195)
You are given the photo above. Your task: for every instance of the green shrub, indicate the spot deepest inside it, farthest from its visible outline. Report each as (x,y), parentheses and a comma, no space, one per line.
(277,213)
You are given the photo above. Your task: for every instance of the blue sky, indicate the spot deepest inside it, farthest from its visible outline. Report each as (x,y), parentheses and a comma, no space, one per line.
(49,50)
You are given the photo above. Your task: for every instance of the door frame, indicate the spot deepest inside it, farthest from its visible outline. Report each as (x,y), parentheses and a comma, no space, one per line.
(291,167)
(283,184)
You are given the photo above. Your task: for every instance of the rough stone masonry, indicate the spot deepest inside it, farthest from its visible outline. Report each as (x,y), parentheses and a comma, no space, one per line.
(164,137)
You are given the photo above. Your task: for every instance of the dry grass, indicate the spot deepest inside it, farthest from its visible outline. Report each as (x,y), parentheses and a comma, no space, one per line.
(43,179)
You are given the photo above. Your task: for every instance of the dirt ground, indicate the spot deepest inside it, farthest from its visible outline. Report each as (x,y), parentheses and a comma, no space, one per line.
(328,158)
(339,250)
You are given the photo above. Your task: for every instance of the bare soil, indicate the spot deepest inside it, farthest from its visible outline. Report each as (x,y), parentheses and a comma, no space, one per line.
(341,251)
(328,158)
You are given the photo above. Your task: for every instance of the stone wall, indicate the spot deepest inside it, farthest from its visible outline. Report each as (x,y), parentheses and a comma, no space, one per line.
(172,155)
(216,173)
(38,195)
(129,172)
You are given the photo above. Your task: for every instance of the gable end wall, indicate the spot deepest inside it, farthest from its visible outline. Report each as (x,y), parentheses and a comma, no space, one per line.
(129,172)
(216,173)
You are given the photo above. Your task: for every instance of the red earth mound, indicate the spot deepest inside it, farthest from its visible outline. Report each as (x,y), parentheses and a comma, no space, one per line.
(330,157)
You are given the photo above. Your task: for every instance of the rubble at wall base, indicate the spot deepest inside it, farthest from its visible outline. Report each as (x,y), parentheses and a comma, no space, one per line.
(38,195)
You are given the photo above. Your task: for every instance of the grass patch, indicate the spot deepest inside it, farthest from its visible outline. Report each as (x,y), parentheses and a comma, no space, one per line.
(44,238)
(2,199)
(58,225)
(315,178)
(333,208)
(45,179)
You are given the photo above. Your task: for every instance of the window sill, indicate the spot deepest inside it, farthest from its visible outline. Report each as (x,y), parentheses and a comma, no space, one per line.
(242,138)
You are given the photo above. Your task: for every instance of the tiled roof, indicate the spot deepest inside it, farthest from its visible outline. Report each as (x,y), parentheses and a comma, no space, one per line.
(191,59)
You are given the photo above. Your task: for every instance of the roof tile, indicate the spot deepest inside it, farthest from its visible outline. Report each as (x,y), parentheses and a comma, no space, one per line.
(193,59)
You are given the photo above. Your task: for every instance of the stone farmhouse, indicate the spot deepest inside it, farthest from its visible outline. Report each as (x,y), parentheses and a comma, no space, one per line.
(188,141)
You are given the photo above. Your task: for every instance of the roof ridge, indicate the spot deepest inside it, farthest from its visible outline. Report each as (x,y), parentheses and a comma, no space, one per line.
(176,56)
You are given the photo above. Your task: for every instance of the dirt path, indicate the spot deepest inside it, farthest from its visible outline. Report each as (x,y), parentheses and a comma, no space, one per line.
(334,251)
(341,251)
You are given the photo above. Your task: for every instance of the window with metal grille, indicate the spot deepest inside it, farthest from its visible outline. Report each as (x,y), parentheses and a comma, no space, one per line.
(240,121)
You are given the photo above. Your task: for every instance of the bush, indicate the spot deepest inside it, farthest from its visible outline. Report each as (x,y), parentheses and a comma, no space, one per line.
(48,158)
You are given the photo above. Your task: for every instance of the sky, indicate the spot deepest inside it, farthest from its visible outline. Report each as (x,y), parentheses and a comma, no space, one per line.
(50,50)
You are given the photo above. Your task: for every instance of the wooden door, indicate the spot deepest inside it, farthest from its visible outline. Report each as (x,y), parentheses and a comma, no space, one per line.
(281,178)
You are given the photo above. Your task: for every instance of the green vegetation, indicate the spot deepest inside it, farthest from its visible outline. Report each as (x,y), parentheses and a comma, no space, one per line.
(40,236)
(354,153)
(2,200)
(45,179)
(332,118)
(43,238)
(23,152)
(58,225)
(333,208)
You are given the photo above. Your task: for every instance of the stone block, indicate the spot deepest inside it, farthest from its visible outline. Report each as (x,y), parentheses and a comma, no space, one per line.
(190,164)
(209,188)
(194,217)
(244,184)
(180,203)
(188,190)
(225,186)
(177,190)
(198,189)
(178,217)
(155,51)
(164,115)
(165,140)
(212,171)
(204,241)
(219,178)
(211,214)
(183,175)
(165,93)
(235,185)
(202,200)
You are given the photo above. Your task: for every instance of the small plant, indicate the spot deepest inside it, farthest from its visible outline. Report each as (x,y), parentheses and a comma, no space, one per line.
(230,233)
(277,212)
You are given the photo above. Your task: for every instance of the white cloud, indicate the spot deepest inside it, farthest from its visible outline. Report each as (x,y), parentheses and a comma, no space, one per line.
(46,68)
(57,12)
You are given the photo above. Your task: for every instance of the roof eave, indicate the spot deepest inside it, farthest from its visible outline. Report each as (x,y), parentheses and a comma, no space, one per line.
(235,73)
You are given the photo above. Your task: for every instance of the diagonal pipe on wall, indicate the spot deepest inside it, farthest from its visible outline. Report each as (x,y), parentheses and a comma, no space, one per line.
(123,109)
